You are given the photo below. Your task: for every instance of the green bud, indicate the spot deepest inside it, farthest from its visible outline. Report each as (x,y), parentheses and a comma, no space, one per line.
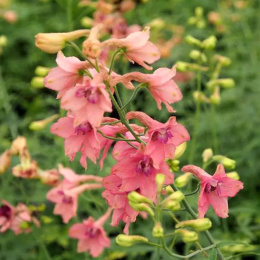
(169,189)
(187,236)
(3,41)
(195,54)
(228,163)
(41,124)
(209,43)
(192,41)
(198,224)
(172,205)
(207,154)
(225,83)
(127,241)
(225,61)
(86,22)
(37,82)
(233,175)
(24,225)
(201,24)
(192,20)
(183,180)
(185,66)
(199,12)
(179,151)
(176,196)
(157,230)
(46,219)
(157,23)
(136,198)
(159,180)
(41,71)
(174,165)
(141,207)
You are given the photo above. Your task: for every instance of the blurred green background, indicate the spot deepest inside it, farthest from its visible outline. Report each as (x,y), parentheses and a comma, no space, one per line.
(237,116)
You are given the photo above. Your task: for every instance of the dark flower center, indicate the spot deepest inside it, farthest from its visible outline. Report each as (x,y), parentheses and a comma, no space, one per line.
(91,232)
(91,94)
(83,128)
(214,186)
(162,135)
(145,165)
(5,211)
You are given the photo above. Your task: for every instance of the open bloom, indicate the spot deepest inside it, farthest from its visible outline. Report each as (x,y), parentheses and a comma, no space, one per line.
(215,189)
(6,216)
(137,47)
(81,138)
(66,75)
(88,101)
(160,84)
(91,235)
(163,138)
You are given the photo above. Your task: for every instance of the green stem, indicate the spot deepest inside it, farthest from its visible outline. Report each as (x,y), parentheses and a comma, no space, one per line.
(131,98)
(116,139)
(70,15)
(42,245)
(112,123)
(193,192)
(213,128)
(113,61)
(119,100)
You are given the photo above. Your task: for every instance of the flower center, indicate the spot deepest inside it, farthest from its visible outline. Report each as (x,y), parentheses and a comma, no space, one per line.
(145,165)
(91,232)
(162,135)
(213,186)
(91,94)
(5,211)
(83,128)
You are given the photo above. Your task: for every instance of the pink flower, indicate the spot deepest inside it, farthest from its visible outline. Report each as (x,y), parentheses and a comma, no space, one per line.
(91,235)
(65,196)
(163,138)
(81,138)
(160,84)
(118,201)
(137,170)
(137,47)
(88,101)
(215,189)
(6,216)
(66,75)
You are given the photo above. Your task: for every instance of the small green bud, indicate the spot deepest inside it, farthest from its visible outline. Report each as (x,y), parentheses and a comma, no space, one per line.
(24,225)
(201,24)
(41,71)
(187,236)
(86,22)
(136,198)
(172,205)
(169,189)
(225,83)
(192,41)
(37,82)
(199,12)
(46,219)
(157,23)
(207,154)
(198,224)
(183,180)
(174,165)
(180,149)
(192,20)
(159,180)
(141,207)
(176,196)
(127,241)
(228,163)
(157,230)
(41,124)
(200,97)
(209,43)
(225,61)
(233,175)
(3,41)
(195,54)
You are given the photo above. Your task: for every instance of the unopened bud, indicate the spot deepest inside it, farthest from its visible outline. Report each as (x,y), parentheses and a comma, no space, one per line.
(183,180)
(41,71)
(136,198)
(127,241)
(201,24)
(200,97)
(185,66)
(225,83)
(215,97)
(127,5)
(24,225)
(233,175)
(41,124)
(37,82)
(169,190)
(172,205)
(214,18)
(157,230)
(46,219)
(176,196)
(187,236)
(141,207)
(207,154)
(159,180)
(54,42)
(198,224)
(199,12)
(192,41)
(5,161)
(209,43)
(195,54)
(192,20)
(87,22)
(225,61)
(10,16)
(3,41)
(157,24)
(228,163)
(179,151)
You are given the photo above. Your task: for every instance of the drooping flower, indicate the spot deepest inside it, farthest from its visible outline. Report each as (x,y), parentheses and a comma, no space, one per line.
(6,216)
(137,47)
(68,73)
(118,201)
(163,138)
(5,161)
(81,138)
(88,101)
(215,189)
(160,84)
(27,169)
(91,235)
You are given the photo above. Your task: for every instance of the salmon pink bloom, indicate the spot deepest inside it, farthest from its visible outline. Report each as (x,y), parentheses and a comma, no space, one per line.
(6,216)
(163,138)
(137,170)
(215,189)
(88,101)
(118,201)
(68,73)
(137,47)
(81,138)
(160,84)
(91,235)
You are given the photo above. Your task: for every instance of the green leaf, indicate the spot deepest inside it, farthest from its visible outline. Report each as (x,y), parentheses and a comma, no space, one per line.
(213,254)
